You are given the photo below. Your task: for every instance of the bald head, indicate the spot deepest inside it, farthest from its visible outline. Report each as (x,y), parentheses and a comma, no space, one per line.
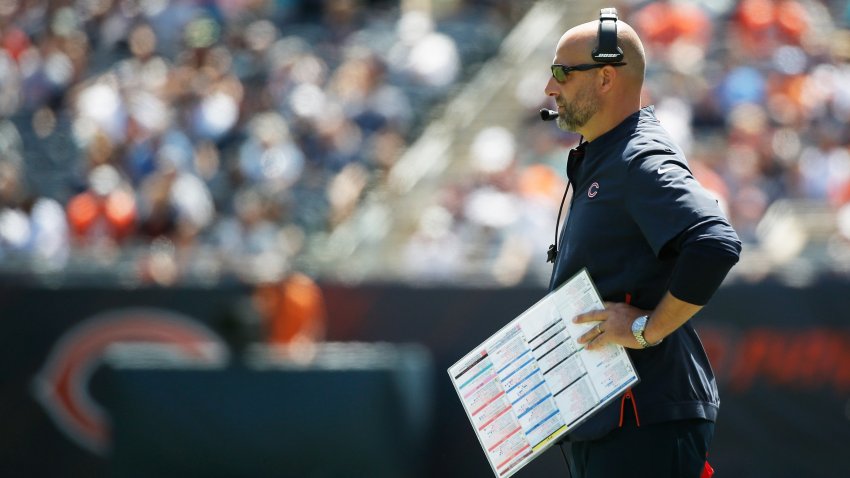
(577,44)
(592,101)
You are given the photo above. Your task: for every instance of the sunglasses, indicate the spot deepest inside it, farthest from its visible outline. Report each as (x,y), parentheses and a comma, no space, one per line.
(560,71)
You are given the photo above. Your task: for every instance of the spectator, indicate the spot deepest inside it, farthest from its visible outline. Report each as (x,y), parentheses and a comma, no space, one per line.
(105,213)
(293,309)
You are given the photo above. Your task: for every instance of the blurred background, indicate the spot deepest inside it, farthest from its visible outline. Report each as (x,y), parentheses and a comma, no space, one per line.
(247,237)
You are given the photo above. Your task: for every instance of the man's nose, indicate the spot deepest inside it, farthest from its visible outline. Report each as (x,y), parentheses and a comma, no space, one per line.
(551,88)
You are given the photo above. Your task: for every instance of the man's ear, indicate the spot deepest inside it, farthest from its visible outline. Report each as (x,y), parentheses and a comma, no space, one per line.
(607,76)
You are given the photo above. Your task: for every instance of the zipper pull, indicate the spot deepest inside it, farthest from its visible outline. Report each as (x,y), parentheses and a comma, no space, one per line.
(631,398)
(628,395)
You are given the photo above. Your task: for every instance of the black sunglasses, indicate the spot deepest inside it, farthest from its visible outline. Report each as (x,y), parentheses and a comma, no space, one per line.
(560,71)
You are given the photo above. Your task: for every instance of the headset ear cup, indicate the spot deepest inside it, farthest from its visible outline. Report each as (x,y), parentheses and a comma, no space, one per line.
(606,50)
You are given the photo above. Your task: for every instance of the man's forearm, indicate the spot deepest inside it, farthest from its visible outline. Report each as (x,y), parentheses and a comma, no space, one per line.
(670,314)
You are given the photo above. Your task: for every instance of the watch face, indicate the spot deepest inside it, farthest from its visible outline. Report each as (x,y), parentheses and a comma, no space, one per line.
(639,325)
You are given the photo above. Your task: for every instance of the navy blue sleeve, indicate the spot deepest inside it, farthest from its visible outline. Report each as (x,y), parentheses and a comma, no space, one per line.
(705,253)
(677,216)
(664,199)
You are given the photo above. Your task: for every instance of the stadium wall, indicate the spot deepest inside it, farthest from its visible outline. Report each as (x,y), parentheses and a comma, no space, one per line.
(781,354)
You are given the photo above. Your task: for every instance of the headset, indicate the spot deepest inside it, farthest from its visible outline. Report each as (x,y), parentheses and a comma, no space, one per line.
(606,50)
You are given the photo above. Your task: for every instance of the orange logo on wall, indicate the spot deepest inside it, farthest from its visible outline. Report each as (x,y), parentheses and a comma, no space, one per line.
(62,384)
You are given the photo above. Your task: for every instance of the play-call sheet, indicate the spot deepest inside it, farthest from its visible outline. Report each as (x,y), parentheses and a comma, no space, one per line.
(531,382)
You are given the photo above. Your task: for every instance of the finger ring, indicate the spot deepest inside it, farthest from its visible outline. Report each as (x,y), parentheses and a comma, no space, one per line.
(598,329)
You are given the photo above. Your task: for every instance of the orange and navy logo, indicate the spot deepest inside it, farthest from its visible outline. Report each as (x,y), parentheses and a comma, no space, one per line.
(593,190)
(62,384)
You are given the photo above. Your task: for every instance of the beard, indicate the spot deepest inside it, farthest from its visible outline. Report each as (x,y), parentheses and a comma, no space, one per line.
(577,113)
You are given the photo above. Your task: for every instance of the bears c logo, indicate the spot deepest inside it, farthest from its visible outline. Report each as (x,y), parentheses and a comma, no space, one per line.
(62,384)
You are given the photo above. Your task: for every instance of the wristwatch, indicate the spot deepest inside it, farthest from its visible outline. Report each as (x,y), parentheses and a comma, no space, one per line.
(638,327)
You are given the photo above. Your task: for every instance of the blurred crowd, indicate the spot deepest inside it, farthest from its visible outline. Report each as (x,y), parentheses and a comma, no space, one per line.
(757,92)
(758,95)
(202,138)
(199,138)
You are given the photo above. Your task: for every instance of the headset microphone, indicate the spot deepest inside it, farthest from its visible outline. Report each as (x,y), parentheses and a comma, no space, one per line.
(548,115)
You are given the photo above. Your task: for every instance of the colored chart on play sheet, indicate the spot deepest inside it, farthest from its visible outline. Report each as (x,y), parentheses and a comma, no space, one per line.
(531,382)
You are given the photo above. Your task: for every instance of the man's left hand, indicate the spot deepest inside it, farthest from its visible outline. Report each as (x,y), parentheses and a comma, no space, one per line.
(614,325)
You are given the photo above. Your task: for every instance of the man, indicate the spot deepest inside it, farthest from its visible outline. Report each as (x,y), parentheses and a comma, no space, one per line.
(657,246)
